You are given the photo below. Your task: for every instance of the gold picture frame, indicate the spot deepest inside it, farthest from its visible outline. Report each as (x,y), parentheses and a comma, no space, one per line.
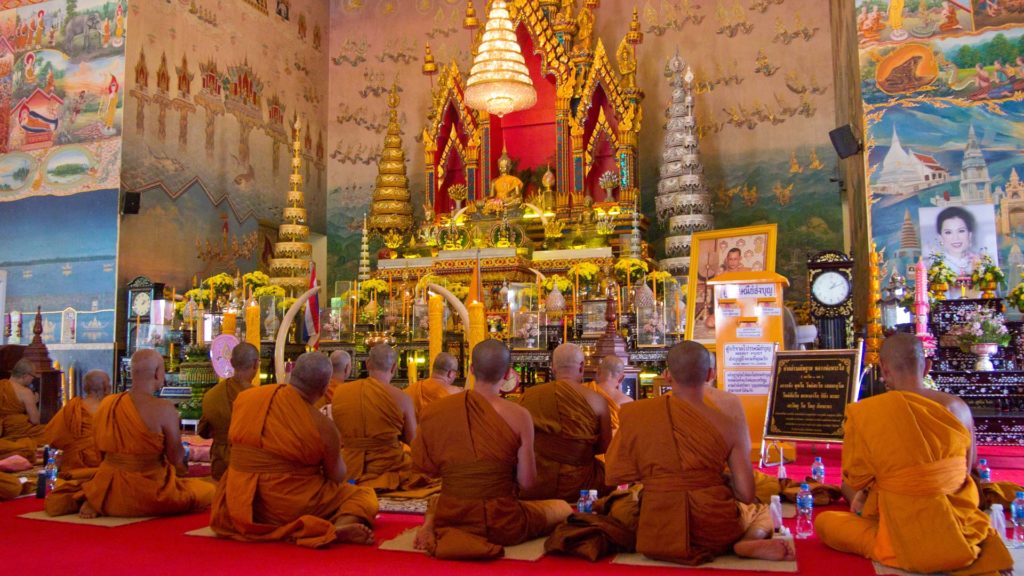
(708,258)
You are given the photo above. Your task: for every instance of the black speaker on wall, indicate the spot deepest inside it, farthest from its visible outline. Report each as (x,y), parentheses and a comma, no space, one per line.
(132,203)
(845,142)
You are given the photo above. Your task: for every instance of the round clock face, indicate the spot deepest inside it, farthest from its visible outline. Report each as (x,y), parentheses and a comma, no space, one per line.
(830,288)
(140,303)
(220,354)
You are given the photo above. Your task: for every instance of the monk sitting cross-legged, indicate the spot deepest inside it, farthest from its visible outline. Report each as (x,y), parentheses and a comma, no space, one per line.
(139,436)
(286,478)
(442,374)
(374,419)
(20,431)
(677,447)
(217,403)
(71,429)
(341,364)
(482,447)
(906,460)
(572,427)
(610,373)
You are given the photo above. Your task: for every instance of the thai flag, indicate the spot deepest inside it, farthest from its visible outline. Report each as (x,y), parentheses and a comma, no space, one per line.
(313,312)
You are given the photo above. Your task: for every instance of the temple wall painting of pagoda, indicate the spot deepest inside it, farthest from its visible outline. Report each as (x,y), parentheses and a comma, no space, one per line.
(212,95)
(61,100)
(764,106)
(941,84)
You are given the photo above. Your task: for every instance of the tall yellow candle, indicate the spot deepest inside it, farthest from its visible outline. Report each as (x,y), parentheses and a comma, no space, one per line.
(655,284)
(435,320)
(477,332)
(227,324)
(252,330)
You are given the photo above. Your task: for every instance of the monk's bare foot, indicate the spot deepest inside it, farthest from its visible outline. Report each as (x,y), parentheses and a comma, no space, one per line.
(774,549)
(354,534)
(87,511)
(425,538)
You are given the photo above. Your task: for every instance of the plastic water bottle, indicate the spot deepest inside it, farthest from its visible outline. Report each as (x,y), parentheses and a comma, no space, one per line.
(804,512)
(818,470)
(583,505)
(592,498)
(775,509)
(51,474)
(188,451)
(997,520)
(781,474)
(1017,512)
(984,472)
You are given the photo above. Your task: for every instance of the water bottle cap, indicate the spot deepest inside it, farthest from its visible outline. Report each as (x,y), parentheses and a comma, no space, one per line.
(805,486)
(592,493)
(776,498)
(983,461)
(996,507)
(584,492)
(1020,494)
(817,458)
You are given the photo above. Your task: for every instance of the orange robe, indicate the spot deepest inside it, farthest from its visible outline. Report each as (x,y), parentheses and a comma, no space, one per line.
(424,393)
(71,430)
(688,514)
(216,420)
(329,393)
(613,406)
(566,442)
(14,421)
(371,429)
(274,488)
(11,486)
(134,478)
(471,447)
(921,513)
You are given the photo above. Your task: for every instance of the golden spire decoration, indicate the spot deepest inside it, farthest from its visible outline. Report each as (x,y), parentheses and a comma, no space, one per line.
(290,266)
(391,210)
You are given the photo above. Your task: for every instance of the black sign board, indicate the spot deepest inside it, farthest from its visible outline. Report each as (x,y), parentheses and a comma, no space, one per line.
(809,393)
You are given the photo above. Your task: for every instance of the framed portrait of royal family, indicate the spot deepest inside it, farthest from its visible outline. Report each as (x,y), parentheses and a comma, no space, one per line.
(746,249)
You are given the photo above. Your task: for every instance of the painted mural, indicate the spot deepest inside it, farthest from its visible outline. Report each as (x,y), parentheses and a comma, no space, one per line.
(765,106)
(211,97)
(61,102)
(943,119)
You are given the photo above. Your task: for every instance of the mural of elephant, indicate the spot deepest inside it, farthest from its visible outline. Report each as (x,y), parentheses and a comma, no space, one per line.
(82,25)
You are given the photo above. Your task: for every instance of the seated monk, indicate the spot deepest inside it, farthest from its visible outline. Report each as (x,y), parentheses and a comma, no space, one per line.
(139,436)
(572,428)
(286,478)
(374,419)
(217,402)
(20,431)
(482,448)
(71,428)
(677,446)
(610,373)
(906,461)
(341,364)
(443,373)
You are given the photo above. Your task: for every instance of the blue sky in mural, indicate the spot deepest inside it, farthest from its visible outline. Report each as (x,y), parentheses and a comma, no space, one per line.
(83,225)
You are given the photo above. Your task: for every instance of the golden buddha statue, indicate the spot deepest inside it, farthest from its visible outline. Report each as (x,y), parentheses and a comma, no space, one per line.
(506,187)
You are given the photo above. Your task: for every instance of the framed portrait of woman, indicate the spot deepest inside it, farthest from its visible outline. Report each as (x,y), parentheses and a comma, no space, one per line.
(746,249)
(961,234)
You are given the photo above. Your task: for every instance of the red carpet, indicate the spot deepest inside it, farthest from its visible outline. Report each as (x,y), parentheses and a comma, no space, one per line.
(161,547)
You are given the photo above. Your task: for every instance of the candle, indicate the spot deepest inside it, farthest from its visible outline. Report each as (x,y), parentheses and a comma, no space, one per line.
(71,382)
(138,319)
(575,309)
(477,331)
(629,279)
(252,330)
(654,282)
(227,324)
(435,314)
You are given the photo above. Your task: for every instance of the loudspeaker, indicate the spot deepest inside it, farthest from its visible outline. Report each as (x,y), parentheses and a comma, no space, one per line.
(132,203)
(844,141)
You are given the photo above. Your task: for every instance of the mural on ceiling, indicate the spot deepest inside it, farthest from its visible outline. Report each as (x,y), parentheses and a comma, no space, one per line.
(211,97)
(765,106)
(943,111)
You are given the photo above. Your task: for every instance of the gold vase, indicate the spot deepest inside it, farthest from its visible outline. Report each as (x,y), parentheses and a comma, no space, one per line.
(988,289)
(938,290)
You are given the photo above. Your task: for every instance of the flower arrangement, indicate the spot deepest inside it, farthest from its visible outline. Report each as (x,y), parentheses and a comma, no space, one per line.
(459,290)
(586,272)
(190,409)
(981,326)
(199,295)
(661,276)
(557,281)
(986,274)
(1016,297)
(256,280)
(429,279)
(939,272)
(270,290)
(221,284)
(284,304)
(633,268)
(372,286)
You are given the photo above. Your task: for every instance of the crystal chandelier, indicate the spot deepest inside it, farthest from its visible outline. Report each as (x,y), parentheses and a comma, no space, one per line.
(499,81)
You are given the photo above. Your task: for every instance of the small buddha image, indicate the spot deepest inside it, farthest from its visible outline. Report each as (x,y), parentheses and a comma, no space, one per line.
(506,187)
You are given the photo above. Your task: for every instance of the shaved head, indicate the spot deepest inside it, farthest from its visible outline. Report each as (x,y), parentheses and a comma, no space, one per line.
(567,362)
(23,367)
(340,361)
(902,356)
(689,363)
(491,361)
(311,374)
(244,356)
(96,383)
(145,366)
(610,366)
(382,358)
(444,362)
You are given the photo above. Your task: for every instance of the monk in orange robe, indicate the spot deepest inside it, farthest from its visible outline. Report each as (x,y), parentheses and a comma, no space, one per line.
(71,428)
(906,461)
(572,428)
(374,419)
(341,363)
(443,373)
(139,436)
(217,403)
(286,478)
(482,447)
(20,430)
(677,447)
(610,373)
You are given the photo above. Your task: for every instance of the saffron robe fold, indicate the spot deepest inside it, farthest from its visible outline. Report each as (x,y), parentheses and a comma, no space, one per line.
(14,422)
(688,514)
(921,513)
(329,393)
(424,393)
(71,430)
(471,447)
(371,424)
(11,486)
(134,478)
(216,421)
(613,406)
(566,442)
(274,487)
